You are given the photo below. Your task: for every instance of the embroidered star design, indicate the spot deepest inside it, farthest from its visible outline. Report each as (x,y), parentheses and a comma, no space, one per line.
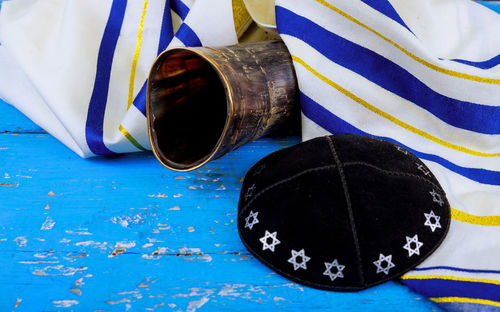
(402,150)
(253,217)
(382,259)
(264,241)
(409,241)
(429,217)
(334,264)
(303,257)
(422,168)
(436,197)
(249,192)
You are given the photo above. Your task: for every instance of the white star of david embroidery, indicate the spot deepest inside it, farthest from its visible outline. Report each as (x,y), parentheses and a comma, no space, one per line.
(334,264)
(304,258)
(249,192)
(413,251)
(264,240)
(436,197)
(428,217)
(382,259)
(421,168)
(402,150)
(253,216)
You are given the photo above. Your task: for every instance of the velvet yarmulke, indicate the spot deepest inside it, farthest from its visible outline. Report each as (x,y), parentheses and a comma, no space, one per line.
(342,212)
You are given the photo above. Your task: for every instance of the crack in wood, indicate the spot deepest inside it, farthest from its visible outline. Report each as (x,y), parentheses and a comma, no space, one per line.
(23,132)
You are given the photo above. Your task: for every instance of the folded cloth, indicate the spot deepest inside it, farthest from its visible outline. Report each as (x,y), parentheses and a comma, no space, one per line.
(78,68)
(426,75)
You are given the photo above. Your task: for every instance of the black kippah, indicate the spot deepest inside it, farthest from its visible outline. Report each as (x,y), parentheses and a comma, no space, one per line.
(342,212)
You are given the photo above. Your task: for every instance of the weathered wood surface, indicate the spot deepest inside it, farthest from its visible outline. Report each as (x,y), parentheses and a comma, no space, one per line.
(125,233)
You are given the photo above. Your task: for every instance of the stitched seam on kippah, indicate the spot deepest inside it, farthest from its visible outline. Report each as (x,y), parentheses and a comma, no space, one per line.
(349,208)
(283,181)
(394,173)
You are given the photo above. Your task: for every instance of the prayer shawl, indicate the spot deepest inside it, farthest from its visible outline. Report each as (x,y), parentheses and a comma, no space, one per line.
(423,74)
(78,68)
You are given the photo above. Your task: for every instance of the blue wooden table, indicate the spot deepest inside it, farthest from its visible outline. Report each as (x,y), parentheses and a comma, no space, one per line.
(124,233)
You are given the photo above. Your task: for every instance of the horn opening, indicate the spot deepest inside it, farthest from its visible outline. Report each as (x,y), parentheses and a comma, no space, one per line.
(188,109)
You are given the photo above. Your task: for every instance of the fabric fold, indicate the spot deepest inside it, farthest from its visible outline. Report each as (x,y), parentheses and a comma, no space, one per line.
(422,75)
(83,65)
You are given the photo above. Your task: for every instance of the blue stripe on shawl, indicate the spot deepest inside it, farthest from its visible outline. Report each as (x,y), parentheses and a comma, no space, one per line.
(467,307)
(166,35)
(456,269)
(167,31)
(334,124)
(385,7)
(436,288)
(180,8)
(494,61)
(482,64)
(97,105)
(140,99)
(187,36)
(388,75)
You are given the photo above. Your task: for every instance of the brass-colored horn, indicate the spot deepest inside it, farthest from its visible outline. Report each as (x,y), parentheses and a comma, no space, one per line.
(204,102)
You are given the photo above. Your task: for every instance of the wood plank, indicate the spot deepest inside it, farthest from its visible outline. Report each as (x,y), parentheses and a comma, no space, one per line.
(178,283)
(124,232)
(492,4)
(12,120)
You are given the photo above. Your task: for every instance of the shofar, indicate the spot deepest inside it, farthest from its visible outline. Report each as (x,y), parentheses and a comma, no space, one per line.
(204,102)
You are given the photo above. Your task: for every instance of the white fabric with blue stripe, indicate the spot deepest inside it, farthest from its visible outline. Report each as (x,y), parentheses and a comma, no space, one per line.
(79,68)
(426,75)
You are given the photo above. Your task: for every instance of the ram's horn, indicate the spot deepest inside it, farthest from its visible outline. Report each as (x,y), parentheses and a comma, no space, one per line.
(204,102)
